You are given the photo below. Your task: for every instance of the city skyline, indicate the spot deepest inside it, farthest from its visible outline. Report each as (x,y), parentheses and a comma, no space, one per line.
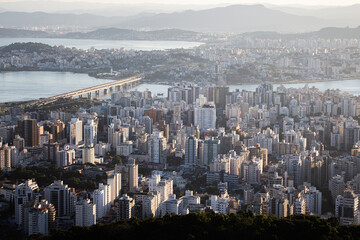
(152,121)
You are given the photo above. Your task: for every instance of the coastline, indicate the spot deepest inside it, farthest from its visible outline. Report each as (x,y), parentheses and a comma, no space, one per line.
(166,83)
(89,73)
(93,74)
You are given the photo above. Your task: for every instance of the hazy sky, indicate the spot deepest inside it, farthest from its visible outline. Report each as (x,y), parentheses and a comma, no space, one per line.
(287,2)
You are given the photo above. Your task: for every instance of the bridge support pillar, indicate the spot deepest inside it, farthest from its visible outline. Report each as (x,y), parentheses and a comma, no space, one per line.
(111,89)
(97,93)
(105,91)
(89,95)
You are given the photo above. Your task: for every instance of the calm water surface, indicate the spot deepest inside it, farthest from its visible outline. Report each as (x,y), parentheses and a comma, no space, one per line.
(105,44)
(22,86)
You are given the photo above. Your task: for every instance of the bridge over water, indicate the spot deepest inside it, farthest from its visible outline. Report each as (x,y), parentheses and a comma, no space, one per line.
(111,86)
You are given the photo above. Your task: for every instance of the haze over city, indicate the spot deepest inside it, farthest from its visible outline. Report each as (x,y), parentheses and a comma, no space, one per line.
(200,119)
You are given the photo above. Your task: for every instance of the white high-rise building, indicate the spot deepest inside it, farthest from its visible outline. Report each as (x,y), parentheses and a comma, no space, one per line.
(253,170)
(38,220)
(236,162)
(220,164)
(88,155)
(61,197)
(114,181)
(133,172)
(157,146)
(14,156)
(151,205)
(76,131)
(39,217)
(24,193)
(111,132)
(172,206)
(336,186)
(45,138)
(300,205)
(5,157)
(102,148)
(124,149)
(85,213)
(102,200)
(189,199)
(65,158)
(205,116)
(163,186)
(313,199)
(90,133)
(220,204)
(191,151)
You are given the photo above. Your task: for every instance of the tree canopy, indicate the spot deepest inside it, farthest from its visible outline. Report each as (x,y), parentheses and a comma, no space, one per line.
(214,226)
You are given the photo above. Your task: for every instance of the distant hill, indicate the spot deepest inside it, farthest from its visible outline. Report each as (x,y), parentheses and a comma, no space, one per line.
(17,33)
(333,32)
(21,19)
(27,47)
(110,34)
(235,18)
(177,34)
(327,33)
(346,15)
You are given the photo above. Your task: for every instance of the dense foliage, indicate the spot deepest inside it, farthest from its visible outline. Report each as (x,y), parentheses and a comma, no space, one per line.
(45,176)
(215,226)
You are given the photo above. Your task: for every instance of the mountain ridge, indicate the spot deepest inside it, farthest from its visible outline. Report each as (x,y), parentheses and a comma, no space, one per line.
(229,19)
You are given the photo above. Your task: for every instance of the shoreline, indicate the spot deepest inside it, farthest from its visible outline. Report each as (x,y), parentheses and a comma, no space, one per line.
(100,39)
(55,71)
(91,74)
(165,83)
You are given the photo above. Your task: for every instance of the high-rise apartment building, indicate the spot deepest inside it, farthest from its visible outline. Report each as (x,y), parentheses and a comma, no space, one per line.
(125,207)
(133,171)
(163,186)
(191,151)
(24,193)
(157,146)
(90,133)
(62,197)
(75,131)
(114,181)
(347,208)
(210,151)
(205,116)
(38,221)
(102,200)
(88,155)
(85,213)
(29,130)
